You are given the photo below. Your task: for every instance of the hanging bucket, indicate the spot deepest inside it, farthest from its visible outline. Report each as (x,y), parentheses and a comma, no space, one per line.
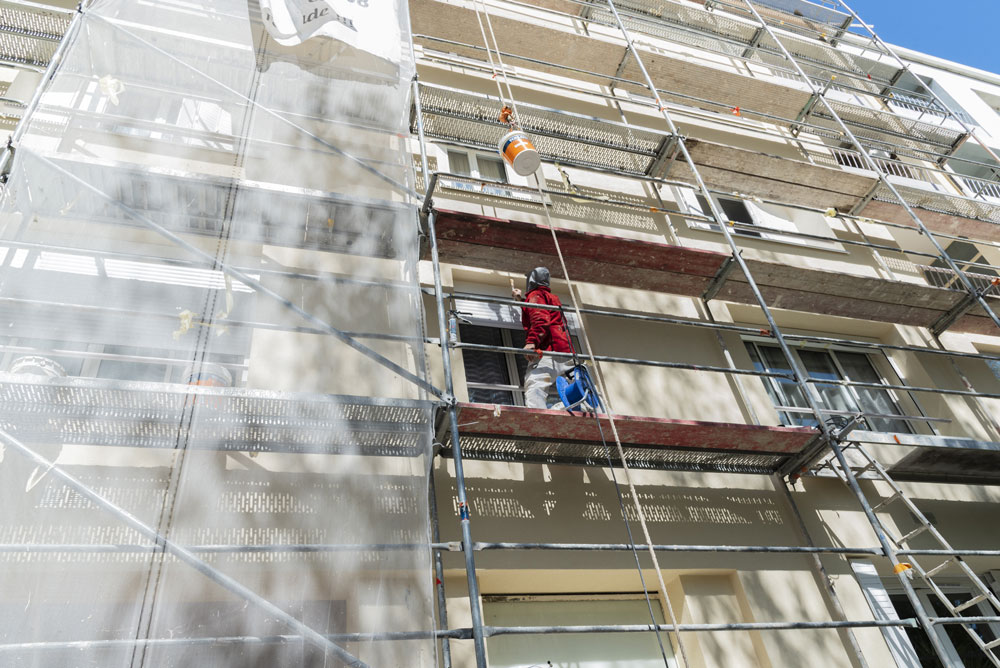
(518,151)
(578,392)
(33,365)
(208,375)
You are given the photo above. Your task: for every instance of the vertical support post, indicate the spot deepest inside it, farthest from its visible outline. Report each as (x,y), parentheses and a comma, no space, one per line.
(801,377)
(442,600)
(450,403)
(419,116)
(970,131)
(186,556)
(820,572)
(449,398)
(849,476)
(875,167)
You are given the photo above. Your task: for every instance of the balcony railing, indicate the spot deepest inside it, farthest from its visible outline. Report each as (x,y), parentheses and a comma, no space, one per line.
(921,105)
(980,188)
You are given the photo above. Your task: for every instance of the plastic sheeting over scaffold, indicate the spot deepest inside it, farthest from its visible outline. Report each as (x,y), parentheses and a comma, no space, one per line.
(210,322)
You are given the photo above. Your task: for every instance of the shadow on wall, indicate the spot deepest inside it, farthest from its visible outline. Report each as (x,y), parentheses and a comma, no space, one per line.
(564,504)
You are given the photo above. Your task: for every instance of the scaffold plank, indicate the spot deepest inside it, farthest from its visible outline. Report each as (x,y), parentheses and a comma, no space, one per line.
(514,433)
(494,243)
(941,458)
(168,415)
(29,34)
(595,258)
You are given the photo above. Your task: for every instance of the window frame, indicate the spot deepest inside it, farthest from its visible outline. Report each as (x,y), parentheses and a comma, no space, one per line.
(583,598)
(517,391)
(491,316)
(928,598)
(786,413)
(688,201)
(473,156)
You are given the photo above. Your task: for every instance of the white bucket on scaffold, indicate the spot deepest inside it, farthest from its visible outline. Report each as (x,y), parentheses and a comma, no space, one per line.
(518,151)
(208,374)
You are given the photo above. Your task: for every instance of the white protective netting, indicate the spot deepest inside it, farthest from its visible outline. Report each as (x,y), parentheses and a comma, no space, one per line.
(210,321)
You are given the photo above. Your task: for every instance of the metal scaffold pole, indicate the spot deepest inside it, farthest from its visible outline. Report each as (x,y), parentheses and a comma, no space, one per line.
(184,555)
(801,378)
(834,443)
(975,295)
(450,402)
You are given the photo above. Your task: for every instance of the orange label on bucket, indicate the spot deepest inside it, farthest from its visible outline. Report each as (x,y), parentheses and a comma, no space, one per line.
(514,145)
(518,151)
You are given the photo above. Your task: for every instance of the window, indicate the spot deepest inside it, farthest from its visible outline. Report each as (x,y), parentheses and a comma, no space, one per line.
(585,650)
(478,166)
(960,648)
(735,210)
(966,255)
(842,400)
(496,377)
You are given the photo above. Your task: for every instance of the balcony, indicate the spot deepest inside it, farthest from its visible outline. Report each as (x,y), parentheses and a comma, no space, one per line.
(817,176)
(705,59)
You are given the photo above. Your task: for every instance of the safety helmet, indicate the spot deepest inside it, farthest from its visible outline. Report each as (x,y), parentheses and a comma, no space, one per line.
(538,276)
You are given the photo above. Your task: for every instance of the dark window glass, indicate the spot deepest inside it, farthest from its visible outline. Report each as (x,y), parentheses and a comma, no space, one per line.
(486,367)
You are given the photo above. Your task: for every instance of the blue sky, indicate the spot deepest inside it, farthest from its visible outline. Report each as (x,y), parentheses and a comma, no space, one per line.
(961,30)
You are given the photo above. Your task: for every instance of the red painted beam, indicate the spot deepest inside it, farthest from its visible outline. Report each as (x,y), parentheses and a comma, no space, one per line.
(531,423)
(506,245)
(502,244)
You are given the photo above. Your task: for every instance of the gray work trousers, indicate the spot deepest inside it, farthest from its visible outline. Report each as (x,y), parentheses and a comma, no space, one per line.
(540,381)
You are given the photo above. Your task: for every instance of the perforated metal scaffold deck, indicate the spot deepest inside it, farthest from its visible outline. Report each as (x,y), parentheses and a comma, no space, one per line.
(29,33)
(731,36)
(886,128)
(560,136)
(516,434)
(934,200)
(159,415)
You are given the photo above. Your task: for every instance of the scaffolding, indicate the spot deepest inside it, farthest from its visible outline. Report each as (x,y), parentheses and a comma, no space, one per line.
(822,59)
(742,32)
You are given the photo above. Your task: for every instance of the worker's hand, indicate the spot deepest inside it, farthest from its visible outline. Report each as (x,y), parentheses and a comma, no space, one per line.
(530,351)
(518,295)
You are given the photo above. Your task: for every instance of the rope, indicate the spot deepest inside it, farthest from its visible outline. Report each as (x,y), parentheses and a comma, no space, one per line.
(602,387)
(499,59)
(489,53)
(609,411)
(635,551)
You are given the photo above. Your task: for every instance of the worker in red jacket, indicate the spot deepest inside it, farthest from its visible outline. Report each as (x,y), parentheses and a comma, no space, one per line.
(545,331)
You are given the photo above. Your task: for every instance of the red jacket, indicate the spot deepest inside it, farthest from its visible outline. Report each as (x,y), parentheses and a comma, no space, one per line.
(545,328)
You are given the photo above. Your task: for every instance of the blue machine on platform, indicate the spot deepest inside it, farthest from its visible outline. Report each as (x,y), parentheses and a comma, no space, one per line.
(579,392)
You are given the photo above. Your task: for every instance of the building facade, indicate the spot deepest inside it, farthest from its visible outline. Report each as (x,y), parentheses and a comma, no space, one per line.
(261,364)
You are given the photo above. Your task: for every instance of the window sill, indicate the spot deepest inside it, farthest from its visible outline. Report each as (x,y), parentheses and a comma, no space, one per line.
(767,235)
